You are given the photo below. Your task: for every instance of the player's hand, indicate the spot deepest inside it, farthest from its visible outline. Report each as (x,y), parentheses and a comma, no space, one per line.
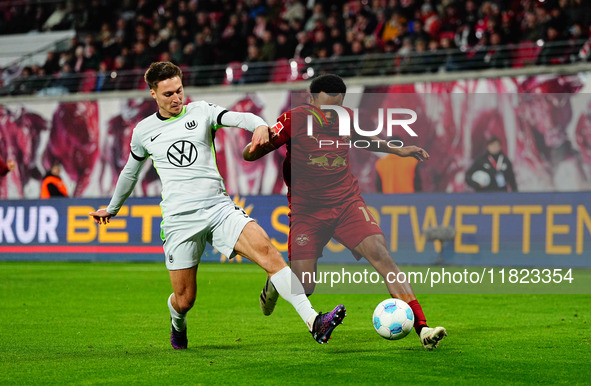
(260,137)
(11,165)
(101,216)
(413,151)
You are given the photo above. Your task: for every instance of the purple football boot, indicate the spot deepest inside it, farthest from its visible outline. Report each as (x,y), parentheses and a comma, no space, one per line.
(324,324)
(178,339)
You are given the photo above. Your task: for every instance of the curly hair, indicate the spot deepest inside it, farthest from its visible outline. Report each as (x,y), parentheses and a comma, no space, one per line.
(331,84)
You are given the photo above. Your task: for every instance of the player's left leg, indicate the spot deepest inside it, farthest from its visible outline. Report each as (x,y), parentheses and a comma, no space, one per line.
(308,234)
(374,249)
(305,270)
(255,245)
(237,233)
(309,231)
(360,232)
(268,298)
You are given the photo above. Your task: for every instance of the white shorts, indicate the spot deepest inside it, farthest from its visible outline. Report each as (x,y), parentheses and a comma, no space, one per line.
(185,234)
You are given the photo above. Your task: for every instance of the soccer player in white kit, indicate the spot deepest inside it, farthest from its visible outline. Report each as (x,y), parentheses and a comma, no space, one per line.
(195,206)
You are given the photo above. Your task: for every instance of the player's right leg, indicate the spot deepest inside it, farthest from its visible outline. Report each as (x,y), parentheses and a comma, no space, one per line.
(184,285)
(303,269)
(183,237)
(255,245)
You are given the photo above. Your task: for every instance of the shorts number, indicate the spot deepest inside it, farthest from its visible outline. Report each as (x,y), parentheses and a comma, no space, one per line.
(368,216)
(241,210)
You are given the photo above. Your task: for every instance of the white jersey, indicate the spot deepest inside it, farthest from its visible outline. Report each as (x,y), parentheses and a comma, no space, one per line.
(183,153)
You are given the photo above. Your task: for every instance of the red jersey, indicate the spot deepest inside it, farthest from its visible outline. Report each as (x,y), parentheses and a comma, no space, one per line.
(316,169)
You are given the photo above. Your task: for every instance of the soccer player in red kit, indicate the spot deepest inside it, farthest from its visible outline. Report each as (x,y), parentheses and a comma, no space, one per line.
(325,200)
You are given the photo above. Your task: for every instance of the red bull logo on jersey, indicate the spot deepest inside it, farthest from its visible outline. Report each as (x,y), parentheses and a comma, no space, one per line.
(302,240)
(327,161)
(321,161)
(339,162)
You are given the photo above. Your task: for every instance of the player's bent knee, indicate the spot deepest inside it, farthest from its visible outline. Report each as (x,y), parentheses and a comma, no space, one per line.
(267,251)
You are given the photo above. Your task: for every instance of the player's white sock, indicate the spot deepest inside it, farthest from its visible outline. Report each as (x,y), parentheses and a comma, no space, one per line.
(290,289)
(179,321)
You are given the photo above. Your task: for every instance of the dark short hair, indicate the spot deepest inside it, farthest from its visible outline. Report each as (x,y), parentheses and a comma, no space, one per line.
(331,84)
(160,71)
(492,140)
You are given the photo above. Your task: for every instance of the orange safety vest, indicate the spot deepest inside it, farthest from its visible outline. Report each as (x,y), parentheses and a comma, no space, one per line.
(397,173)
(59,184)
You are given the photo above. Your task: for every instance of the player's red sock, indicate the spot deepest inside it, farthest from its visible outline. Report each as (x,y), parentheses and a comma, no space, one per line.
(420,320)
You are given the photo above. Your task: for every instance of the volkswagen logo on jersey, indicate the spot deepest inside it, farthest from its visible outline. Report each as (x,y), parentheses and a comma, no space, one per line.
(182,154)
(191,125)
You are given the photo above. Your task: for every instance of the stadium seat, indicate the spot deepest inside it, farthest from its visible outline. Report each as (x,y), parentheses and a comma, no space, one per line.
(525,54)
(233,73)
(184,68)
(140,83)
(88,81)
(288,70)
(281,71)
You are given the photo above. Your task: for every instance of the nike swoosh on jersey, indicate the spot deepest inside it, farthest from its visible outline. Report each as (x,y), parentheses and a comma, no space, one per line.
(153,138)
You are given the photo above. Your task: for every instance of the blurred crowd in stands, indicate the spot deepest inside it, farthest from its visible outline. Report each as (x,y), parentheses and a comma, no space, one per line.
(115,36)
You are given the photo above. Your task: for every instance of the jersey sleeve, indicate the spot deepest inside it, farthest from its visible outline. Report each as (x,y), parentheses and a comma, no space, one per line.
(221,117)
(138,151)
(281,130)
(129,175)
(215,114)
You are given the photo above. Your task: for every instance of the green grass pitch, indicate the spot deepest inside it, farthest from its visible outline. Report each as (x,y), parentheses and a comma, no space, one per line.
(88,323)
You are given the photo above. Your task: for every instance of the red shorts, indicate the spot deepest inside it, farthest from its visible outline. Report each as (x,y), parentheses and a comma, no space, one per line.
(310,229)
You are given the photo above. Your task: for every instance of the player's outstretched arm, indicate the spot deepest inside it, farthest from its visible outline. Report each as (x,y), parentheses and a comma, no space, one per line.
(125,184)
(247,121)
(379,145)
(101,216)
(413,151)
(260,137)
(269,138)
(251,154)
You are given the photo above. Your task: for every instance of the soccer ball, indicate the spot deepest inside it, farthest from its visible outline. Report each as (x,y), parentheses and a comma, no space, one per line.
(481,177)
(393,319)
